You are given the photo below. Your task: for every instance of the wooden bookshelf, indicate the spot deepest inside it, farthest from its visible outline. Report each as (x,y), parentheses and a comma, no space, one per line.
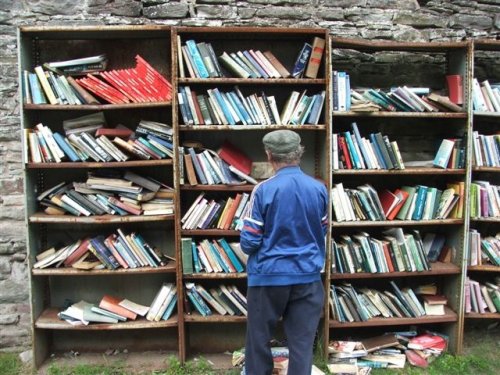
(93,107)
(87,165)
(407,171)
(189,128)
(252,81)
(442,115)
(170,268)
(396,223)
(214,318)
(483,268)
(246,187)
(42,218)
(482,316)
(216,275)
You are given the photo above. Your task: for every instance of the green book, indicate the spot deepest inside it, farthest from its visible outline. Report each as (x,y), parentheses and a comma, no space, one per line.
(406,206)
(187,255)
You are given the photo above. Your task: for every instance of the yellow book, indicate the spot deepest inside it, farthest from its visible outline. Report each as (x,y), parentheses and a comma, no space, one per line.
(45,85)
(222,217)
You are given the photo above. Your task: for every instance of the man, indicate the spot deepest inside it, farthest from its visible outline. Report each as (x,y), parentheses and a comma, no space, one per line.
(284,236)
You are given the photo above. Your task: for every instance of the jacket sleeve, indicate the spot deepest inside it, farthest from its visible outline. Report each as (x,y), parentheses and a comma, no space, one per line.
(324,215)
(253,225)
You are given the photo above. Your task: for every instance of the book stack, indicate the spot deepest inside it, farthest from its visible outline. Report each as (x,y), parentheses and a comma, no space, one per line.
(88,138)
(110,192)
(484,199)
(486,150)
(451,154)
(53,83)
(114,310)
(118,250)
(396,252)
(351,151)
(434,304)
(216,107)
(349,304)
(483,250)
(253,64)
(485,96)
(482,298)
(214,255)
(223,299)
(224,213)
(406,203)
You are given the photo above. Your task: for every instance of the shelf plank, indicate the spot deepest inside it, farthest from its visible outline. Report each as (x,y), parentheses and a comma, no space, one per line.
(440,115)
(486,169)
(377,45)
(86,165)
(169,268)
(253,81)
(214,318)
(484,268)
(487,114)
(407,171)
(448,317)
(482,316)
(209,232)
(94,107)
(245,187)
(218,275)
(485,219)
(437,268)
(100,219)
(49,320)
(320,127)
(396,223)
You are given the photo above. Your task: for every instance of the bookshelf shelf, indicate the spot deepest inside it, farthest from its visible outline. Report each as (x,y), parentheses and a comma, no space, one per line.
(215,318)
(102,219)
(424,115)
(485,220)
(245,187)
(253,81)
(218,275)
(48,320)
(448,317)
(487,114)
(209,232)
(407,171)
(396,223)
(438,268)
(94,107)
(486,169)
(482,316)
(483,268)
(185,128)
(86,165)
(169,268)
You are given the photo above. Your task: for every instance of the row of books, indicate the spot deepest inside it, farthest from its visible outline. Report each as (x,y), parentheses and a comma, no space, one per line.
(216,255)
(120,249)
(351,151)
(114,310)
(349,304)
(483,250)
(110,192)
(406,203)
(484,199)
(224,214)
(486,150)
(52,83)
(482,297)
(450,154)
(233,108)
(223,299)
(390,350)
(485,96)
(396,252)
(201,61)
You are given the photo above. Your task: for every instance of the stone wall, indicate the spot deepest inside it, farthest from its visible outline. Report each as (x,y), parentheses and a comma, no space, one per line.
(401,20)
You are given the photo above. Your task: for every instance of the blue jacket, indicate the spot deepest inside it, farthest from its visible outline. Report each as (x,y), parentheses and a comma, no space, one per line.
(284,231)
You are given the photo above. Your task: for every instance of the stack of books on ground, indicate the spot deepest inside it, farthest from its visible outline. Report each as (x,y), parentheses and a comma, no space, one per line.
(216,107)
(485,96)
(349,304)
(229,166)
(484,199)
(110,192)
(482,297)
(483,250)
(391,350)
(117,250)
(114,310)
(212,255)
(418,202)
(53,83)
(351,151)
(397,251)
(486,150)
(221,300)
(87,138)
(451,154)
(224,213)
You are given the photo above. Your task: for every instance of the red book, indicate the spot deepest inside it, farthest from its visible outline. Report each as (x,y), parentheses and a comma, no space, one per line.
(403,195)
(197,108)
(145,149)
(388,200)
(427,341)
(112,304)
(109,78)
(387,255)
(120,131)
(78,253)
(345,152)
(455,88)
(436,299)
(235,157)
(124,206)
(232,210)
(109,243)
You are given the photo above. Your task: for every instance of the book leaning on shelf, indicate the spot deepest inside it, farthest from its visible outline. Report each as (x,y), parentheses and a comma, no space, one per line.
(222,299)
(110,192)
(451,154)
(216,107)
(482,297)
(484,199)
(485,150)
(485,96)
(483,250)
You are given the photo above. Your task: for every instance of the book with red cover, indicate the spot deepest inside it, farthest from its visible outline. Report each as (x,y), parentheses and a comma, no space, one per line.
(345,152)
(120,131)
(403,195)
(387,255)
(455,88)
(112,304)
(427,341)
(235,157)
(436,299)
(124,206)
(78,253)
(389,201)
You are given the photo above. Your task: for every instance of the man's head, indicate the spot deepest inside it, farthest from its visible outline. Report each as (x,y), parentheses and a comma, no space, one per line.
(283,146)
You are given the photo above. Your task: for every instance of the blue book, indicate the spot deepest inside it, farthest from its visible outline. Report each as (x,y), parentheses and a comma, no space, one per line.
(146,254)
(231,255)
(255,64)
(223,106)
(229,103)
(378,153)
(170,308)
(66,147)
(122,243)
(419,202)
(301,61)
(186,114)
(348,92)
(316,109)
(352,150)
(197,59)
(196,259)
(361,146)
(161,141)
(200,303)
(37,95)
(238,108)
(100,247)
(219,259)
(125,255)
(197,166)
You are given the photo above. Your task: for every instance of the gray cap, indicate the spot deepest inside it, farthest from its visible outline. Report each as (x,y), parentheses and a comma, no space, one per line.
(281,141)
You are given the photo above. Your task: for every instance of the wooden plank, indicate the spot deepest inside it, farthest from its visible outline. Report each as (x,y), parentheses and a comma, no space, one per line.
(484,268)
(86,165)
(94,107)
(214,318)
(101,219)
(407,171)
(396,223)
(169,268)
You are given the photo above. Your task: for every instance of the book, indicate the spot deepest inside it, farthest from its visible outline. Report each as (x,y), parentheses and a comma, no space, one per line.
(112,304)
(301,61)
(277,64)
(318,47)
(235,157)
(443,154)
(455,88)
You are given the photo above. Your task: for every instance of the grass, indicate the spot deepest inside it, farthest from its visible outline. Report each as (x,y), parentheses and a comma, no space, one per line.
(480,357)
